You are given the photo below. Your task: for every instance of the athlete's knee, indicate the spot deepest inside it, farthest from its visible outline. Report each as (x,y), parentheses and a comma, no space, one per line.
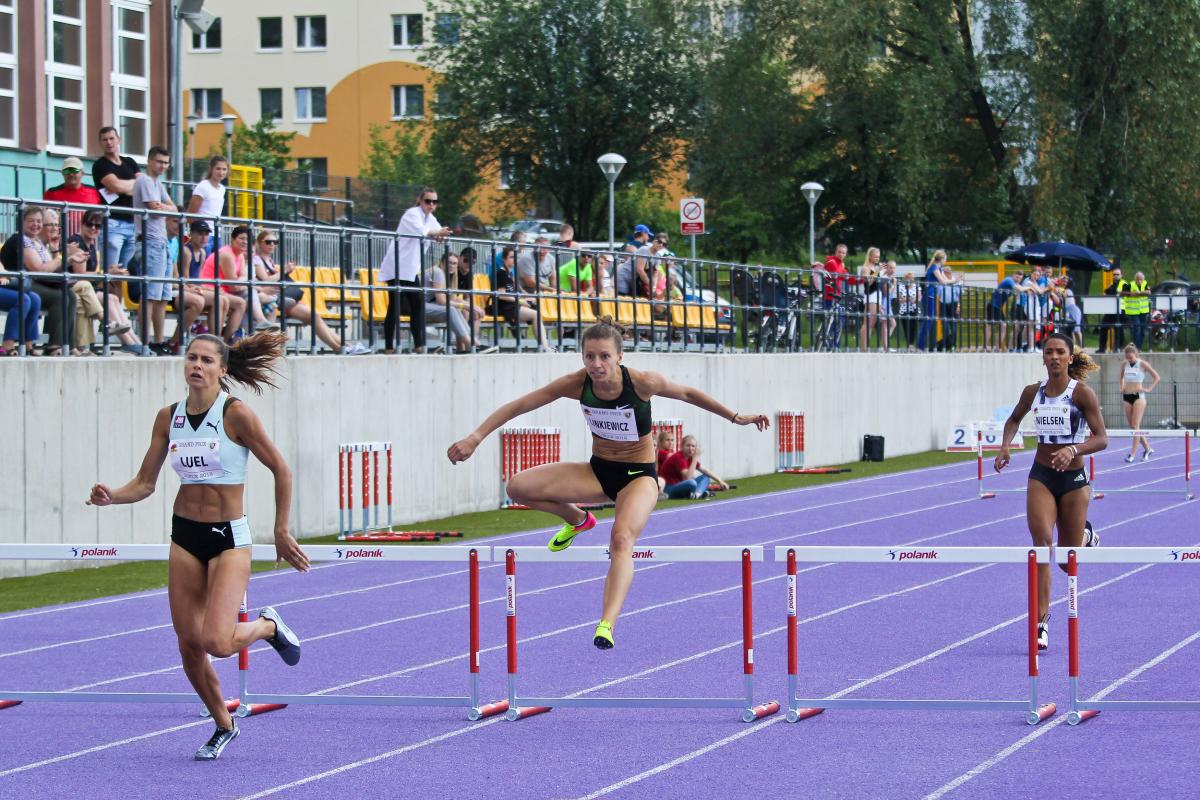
(192,650)
(219,645)
(522,488)
(622,541)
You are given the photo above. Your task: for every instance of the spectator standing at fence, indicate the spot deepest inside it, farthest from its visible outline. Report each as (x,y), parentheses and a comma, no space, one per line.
(641,236)
(646,260)
(935,276)
(868,275)
(517,311)
(402,266)
(83,259)
(626,282)
(996,311)
(25,250)
(908,305)
(1072,314)
(1137,307)
(949,296)
(887,304)
(113,175)
(684,475)
(208,196)
(72,190)
(535,267)
(150,194)
(1112,335)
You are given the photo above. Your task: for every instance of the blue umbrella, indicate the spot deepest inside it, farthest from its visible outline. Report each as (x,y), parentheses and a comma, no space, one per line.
(1060,254)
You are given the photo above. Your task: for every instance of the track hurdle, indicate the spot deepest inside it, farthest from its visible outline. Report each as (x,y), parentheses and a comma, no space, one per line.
(522,449)
(1083,710)
(520,706)
(1125,433)
(249,704)
(789,438)
(802,708)
(366,454)
(116,552)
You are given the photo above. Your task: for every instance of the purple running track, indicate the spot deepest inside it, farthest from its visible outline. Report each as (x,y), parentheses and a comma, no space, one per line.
(944,631)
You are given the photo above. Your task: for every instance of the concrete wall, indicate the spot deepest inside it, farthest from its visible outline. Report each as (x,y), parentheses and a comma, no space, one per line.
(69,423)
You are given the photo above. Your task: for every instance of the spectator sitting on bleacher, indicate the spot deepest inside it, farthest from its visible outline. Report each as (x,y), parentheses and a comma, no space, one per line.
(536,268)
(516,239)
(192,255)
(575,276)
(517,311)
(261,296)
(87,306)
(23,307)
(664,449)
(647,260)
(605,277)
(232,260)
(72,190)
(26,250)
(269,274)
(624,272)
(441,307)
(684,475)
(83,259)
(465,274)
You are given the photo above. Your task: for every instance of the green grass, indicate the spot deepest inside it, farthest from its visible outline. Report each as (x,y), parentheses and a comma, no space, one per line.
(89,583)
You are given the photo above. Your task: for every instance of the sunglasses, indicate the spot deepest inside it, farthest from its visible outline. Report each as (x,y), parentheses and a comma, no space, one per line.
(71,171)
(270,241)
(94,225)
(429,201)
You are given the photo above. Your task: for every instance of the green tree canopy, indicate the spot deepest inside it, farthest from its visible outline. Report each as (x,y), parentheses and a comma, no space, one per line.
(260,145)
(545,87)
(402,154)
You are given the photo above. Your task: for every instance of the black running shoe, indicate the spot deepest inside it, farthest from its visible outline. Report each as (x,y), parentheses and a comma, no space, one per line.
(285,642)
(213,748)
(1090,537)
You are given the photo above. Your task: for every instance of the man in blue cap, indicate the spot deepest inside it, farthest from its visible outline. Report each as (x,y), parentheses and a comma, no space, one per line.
(641,235)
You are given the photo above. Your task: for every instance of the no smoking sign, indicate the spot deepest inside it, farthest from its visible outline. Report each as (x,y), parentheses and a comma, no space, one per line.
(691,215)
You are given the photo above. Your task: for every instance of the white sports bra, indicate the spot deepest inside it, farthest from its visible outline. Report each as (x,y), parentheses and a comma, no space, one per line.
(1057,419)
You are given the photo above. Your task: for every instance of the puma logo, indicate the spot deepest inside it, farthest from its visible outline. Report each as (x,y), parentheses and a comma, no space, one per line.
(219,531)
(213,425)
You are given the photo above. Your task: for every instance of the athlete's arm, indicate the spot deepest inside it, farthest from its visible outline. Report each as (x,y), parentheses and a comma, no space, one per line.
(655,383)
(1085,400)
(1013,424)
(1146,366)
(567,386)
(245,428)
(142,485)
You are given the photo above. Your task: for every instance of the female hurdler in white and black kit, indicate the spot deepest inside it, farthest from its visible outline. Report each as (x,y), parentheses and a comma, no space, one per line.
(1069,426)
(615,401)
(208,437)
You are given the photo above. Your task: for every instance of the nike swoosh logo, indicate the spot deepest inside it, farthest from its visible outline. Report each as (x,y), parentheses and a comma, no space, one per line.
(632,472)
(560,540)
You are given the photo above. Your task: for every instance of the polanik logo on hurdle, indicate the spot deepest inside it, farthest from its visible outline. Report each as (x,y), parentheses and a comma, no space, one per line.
(1186,555)
(912,555)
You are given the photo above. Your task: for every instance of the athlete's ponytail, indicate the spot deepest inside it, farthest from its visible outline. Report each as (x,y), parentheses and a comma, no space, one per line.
(250,362)
(606,328)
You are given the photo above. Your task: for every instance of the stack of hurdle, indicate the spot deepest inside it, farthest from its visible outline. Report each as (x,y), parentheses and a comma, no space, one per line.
(789,432)
(675,426)
(522,449)
(365,455)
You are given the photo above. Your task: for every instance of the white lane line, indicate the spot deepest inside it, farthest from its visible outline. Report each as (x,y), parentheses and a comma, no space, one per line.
(67,756)
(1042,730)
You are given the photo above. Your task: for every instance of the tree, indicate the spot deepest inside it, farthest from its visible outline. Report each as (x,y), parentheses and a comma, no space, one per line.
(406,154)
(544,87)
(260,145)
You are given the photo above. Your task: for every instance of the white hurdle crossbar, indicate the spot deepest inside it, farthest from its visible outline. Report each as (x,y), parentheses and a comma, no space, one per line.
(1083,710)
(802,708)
(520,706)
(248,704)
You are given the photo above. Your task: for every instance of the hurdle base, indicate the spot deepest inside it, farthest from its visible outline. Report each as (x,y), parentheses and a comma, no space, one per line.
(9,703)
(986,495)
(761,710)
(1076,717)
(1098,496)
(815,471)
(797,714)
(402,536)
(514,714)
(477,713)
(1043,713)
(254,709)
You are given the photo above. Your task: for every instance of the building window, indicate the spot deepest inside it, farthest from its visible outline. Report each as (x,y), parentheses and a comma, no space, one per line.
(446,27)
(508,166)
(408,102)
(270,33)
(407,30)
(271,102)
(206,104)
(310,33)
(446,102)
(209,41)
(310,104)
(8,73)
(130,81)
(64,73)
(318,169)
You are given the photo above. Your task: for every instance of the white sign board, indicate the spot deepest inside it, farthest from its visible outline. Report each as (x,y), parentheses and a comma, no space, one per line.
(966,437)
(691,216)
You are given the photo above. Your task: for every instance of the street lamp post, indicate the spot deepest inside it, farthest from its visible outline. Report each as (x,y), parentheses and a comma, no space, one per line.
(812,190)
(229,120)
(192,119)
(611,165)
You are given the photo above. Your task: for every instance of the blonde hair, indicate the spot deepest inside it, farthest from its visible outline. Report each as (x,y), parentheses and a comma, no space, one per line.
(867,258)
(1131,348)
(663,435)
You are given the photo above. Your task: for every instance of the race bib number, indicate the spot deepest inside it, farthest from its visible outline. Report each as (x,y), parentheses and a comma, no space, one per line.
(196,459)
(613,424)
(1052,420)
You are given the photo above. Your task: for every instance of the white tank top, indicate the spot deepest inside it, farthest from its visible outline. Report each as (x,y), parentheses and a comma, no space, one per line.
(1133,372)
(205,454)
(1057,419)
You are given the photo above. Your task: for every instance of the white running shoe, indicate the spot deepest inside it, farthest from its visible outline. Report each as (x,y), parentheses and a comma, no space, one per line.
(356,349)
(1090,537)
(213,748)
(1129,458)
(285,642)
(1043,639)
(1146,456)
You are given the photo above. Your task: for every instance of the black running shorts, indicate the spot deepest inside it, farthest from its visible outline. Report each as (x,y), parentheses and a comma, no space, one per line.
(616,475)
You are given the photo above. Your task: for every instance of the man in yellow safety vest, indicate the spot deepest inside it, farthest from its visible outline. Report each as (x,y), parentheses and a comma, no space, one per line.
(1135,306)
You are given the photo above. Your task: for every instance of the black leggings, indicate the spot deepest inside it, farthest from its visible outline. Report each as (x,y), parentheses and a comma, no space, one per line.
(400,302)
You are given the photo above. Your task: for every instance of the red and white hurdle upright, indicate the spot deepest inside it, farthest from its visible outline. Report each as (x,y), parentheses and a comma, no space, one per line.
(364,455)
(1083,710)
(789,433)
(799,708)
(522,449)
(521,706)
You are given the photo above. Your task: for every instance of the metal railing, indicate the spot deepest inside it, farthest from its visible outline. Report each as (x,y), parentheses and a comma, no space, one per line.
(664,302)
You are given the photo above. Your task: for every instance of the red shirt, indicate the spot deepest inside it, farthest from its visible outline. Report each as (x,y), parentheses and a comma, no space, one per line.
(84,194)
(672,469)
(209,270)
(662,456)
(833,285)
